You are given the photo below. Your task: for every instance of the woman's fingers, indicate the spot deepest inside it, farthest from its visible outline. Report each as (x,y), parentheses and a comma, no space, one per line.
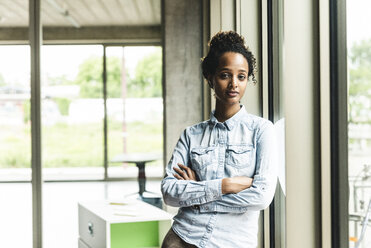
(190,173)
(187,171)
(186,168)
(184,173)
(178,177)
(181,173)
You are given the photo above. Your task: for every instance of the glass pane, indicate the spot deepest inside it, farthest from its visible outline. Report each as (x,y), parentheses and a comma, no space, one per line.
(72,112)
(359,62)
(134,108)
(15,128)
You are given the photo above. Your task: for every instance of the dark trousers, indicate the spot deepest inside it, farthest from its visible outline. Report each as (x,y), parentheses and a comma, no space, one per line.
(172,240)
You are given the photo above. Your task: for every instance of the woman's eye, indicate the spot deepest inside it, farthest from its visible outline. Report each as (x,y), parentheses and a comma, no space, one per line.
(242,77)
(224,75)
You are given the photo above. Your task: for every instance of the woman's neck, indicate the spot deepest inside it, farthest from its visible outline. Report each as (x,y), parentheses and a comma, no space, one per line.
(224,112)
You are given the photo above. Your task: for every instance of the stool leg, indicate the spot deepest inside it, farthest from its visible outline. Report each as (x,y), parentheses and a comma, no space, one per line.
(141,177)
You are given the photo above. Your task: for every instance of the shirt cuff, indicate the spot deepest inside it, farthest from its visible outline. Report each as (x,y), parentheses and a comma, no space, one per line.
(213,190)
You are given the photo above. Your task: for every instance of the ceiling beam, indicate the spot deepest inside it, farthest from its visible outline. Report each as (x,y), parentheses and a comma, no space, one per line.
(92,34)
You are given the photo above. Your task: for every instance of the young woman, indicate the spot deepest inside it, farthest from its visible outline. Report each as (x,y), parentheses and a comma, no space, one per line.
(221,173)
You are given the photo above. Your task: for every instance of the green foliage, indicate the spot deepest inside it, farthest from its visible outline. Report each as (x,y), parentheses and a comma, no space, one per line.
(360,82)
(360,54)
(114,70)
(360,73)
(59,80)
(63,105)
(90,77)
(26,111)
(79,145)
(15,146)
(148,77)
(147,81)
(14,160)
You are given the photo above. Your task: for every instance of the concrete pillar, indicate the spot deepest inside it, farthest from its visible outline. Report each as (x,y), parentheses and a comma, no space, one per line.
(182,78)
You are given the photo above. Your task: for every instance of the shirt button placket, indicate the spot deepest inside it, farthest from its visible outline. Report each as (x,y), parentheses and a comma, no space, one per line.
(222,141)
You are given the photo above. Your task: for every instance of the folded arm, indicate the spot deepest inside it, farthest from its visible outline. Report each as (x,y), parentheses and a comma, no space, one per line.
(237,194)
(261,192)
(184,192)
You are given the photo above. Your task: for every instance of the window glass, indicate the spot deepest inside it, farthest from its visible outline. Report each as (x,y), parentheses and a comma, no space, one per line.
(72,111)
(134,109)
(15,126)
(359,122)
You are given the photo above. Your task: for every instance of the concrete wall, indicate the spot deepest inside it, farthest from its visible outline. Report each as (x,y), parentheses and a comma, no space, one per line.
(182,47)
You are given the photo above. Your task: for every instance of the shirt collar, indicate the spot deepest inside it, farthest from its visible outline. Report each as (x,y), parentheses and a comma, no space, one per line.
(231,122)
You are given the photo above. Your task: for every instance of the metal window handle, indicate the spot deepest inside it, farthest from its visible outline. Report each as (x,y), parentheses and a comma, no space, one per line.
(91,228)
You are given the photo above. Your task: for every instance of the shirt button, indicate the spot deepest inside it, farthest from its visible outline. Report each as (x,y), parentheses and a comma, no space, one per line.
(202,243)
(207,208)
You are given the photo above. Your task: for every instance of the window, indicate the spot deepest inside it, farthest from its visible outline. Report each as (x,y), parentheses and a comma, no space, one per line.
(359,122)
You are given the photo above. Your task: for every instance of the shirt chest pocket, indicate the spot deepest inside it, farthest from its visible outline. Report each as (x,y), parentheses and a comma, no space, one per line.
(239,156)
(203,159)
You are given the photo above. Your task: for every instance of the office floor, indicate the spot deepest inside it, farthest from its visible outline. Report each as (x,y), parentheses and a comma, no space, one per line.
(60,218)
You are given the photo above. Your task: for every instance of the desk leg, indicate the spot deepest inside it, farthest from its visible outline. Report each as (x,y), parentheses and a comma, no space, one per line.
(141,178)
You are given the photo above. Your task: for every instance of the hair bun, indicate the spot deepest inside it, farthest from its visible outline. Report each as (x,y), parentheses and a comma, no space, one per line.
(226,38)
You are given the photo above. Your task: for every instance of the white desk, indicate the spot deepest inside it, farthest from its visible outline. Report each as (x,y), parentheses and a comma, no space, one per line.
(120,224)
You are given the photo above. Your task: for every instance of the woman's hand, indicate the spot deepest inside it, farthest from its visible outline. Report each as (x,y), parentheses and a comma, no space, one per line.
(184,173)
(233,185)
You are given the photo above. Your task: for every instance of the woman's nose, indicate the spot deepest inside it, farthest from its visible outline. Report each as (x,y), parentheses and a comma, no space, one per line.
(233,82)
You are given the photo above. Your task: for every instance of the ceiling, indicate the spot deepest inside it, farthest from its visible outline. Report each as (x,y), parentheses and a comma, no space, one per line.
(83,13)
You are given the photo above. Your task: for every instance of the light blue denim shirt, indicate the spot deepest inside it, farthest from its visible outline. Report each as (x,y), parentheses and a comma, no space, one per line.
(241,146)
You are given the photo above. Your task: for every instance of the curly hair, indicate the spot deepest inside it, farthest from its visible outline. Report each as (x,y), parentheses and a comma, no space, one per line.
(227,41)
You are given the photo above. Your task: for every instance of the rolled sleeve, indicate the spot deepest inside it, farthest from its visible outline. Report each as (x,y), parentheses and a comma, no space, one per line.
(211,192)
(185,193)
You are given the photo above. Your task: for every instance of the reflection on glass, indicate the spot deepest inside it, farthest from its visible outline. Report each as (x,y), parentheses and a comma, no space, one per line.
(72,112)
(279,123)
(359,122)
(134,107)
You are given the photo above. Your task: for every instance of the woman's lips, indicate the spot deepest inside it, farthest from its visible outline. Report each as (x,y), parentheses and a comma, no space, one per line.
(232,93)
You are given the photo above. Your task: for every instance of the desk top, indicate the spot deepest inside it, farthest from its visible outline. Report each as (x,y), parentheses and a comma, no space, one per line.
(136,157)
(125,211)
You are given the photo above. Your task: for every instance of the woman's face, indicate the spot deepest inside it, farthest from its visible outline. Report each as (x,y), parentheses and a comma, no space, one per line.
(230,78)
